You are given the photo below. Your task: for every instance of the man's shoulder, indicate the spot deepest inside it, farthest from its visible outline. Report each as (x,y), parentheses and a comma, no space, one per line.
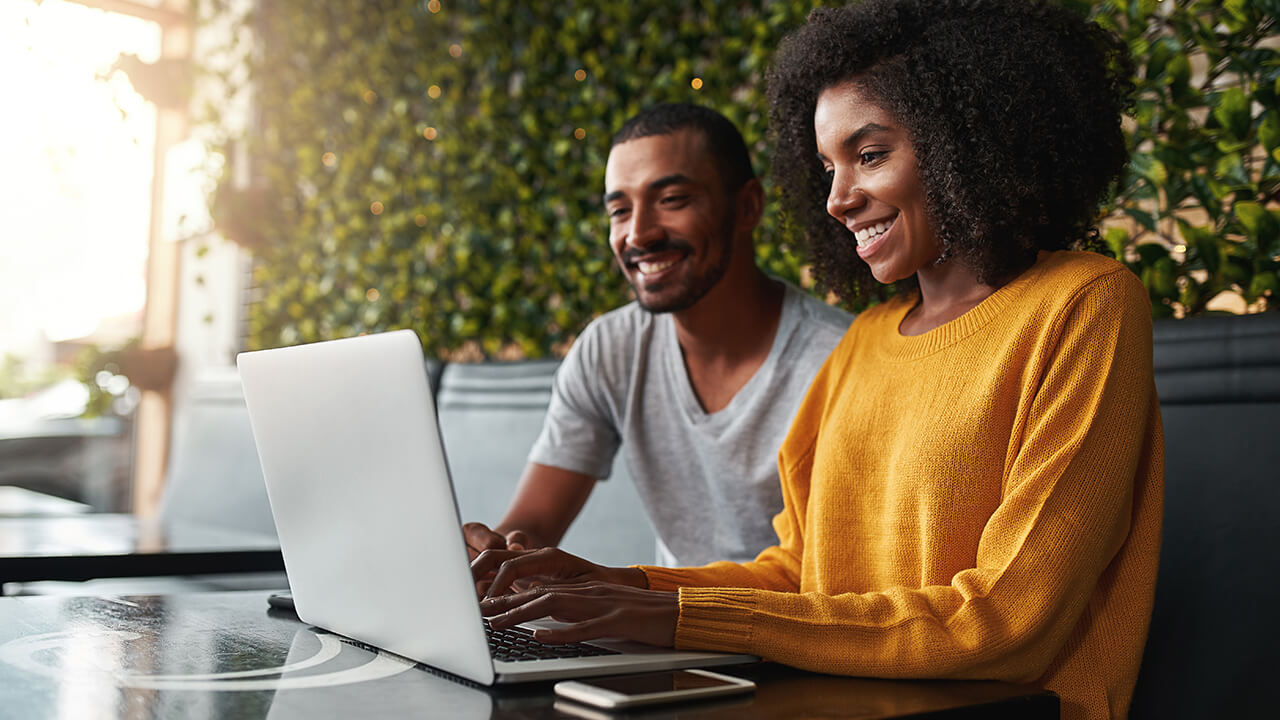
(817,318)
(623,324)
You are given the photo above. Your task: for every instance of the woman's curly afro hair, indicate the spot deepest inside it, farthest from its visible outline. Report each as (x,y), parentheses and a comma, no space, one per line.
(1013,109)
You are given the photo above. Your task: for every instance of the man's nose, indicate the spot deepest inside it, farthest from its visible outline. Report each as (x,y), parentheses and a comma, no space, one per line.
(645,229)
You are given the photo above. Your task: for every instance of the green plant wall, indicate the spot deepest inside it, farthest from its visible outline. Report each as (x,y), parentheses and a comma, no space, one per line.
(438,165)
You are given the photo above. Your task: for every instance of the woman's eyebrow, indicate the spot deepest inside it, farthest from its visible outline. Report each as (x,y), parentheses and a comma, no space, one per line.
(861,133)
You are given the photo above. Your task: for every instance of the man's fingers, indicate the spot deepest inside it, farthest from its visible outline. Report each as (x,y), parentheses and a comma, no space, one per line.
(479,538)
(517,540)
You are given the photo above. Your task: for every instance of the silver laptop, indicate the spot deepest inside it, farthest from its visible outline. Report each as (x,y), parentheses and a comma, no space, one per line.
(369,528)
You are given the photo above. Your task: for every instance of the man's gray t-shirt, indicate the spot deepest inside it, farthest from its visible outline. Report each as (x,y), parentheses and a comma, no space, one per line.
(708,481)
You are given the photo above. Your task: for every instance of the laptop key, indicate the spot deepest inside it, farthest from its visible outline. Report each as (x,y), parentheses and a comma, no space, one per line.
(517,644)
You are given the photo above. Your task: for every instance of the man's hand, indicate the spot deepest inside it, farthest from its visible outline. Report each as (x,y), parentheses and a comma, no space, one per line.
(480,538)
(594,609)
(497,571)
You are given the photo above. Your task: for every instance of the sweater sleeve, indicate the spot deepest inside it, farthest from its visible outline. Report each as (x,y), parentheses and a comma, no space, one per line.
(1068,497)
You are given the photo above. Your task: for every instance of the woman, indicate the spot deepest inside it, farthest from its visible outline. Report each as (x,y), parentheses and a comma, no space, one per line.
(973,484)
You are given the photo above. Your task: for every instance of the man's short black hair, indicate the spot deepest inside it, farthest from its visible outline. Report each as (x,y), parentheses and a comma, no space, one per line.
(723,138)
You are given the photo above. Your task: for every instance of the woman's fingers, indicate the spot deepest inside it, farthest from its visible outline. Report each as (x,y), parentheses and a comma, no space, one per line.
(550,564)
(592,610)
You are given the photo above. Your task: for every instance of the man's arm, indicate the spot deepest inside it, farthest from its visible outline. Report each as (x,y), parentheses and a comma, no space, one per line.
(544,505)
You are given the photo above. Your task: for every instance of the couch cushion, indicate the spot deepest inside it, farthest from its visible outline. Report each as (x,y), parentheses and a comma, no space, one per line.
(490,414)
(1218,359)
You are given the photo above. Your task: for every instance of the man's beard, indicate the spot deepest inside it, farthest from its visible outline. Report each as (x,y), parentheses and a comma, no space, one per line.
(692,289)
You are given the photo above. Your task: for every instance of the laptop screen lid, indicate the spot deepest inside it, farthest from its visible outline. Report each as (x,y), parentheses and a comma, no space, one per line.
(359,488)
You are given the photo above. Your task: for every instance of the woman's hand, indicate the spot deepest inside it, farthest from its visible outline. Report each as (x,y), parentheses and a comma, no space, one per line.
(497,571)
(594,609)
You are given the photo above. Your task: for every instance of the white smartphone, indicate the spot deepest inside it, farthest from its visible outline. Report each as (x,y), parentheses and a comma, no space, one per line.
(625,691)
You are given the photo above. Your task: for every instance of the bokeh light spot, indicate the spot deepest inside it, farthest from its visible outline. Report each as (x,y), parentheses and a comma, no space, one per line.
(696,83)
(329,159)
(433,92)
(429,133)
(375,207)
(580,75)
(580,133)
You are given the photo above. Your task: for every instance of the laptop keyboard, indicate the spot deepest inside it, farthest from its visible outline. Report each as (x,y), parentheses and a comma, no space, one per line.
(516,644)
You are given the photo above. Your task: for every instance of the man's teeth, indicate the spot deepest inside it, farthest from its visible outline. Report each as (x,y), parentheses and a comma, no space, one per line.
(649,268)
(866,235)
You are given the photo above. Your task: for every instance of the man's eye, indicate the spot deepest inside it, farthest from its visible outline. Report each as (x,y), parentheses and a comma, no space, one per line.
(618,212)
(674,199)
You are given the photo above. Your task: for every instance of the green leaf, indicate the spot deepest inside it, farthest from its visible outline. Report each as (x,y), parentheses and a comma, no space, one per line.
(1263,284)
(1144,218)
(1178,75)
(1164,278)
(1152,253)
(1269,130)
(1202,245)
(1117,238)
(1150,168)
(1190,295)
(1231,110)
(1260,225)
(1230,170)
(1237,9)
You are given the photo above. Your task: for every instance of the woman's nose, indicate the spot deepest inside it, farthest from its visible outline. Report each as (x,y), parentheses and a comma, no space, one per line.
(844,198)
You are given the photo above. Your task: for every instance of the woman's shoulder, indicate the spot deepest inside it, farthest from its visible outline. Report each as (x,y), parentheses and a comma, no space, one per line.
(1067,276)
(1078,267)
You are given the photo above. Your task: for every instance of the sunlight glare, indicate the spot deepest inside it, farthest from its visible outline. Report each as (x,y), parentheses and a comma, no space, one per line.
(76,175)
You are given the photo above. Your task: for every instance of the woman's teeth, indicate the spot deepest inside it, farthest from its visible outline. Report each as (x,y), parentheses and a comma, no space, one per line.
(866,236)
(649,268)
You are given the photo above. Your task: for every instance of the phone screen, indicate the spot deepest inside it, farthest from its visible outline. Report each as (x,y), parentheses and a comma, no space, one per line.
(649,683)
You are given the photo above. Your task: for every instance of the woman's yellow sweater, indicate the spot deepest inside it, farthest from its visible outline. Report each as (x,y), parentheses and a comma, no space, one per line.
(980,501)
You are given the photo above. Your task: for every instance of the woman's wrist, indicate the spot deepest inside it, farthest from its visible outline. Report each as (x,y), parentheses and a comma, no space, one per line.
(629,576)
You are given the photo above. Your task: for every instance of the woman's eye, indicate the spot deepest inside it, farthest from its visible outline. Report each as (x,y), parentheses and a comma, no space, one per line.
(829,174)
(872,157)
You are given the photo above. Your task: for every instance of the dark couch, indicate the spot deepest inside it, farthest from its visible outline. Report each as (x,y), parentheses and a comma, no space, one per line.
(1214,645)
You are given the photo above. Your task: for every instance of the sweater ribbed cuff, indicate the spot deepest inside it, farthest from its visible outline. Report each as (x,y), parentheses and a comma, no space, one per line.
(715,619)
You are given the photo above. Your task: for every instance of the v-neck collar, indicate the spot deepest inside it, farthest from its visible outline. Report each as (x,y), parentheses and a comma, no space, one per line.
(788,318)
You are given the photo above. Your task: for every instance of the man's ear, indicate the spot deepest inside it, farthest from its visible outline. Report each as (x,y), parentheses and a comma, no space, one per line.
(749,205)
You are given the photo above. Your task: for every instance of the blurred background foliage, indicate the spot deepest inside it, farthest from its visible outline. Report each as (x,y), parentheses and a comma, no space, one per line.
(438,164)
(1196,216)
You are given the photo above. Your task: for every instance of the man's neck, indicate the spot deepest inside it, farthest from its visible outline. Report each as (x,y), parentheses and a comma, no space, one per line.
(727,335)
(733,319)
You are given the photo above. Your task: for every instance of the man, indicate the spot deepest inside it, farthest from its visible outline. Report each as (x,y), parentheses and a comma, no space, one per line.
(699,378)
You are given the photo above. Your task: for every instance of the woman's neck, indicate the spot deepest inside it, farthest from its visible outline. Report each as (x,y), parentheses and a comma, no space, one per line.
(947,291)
